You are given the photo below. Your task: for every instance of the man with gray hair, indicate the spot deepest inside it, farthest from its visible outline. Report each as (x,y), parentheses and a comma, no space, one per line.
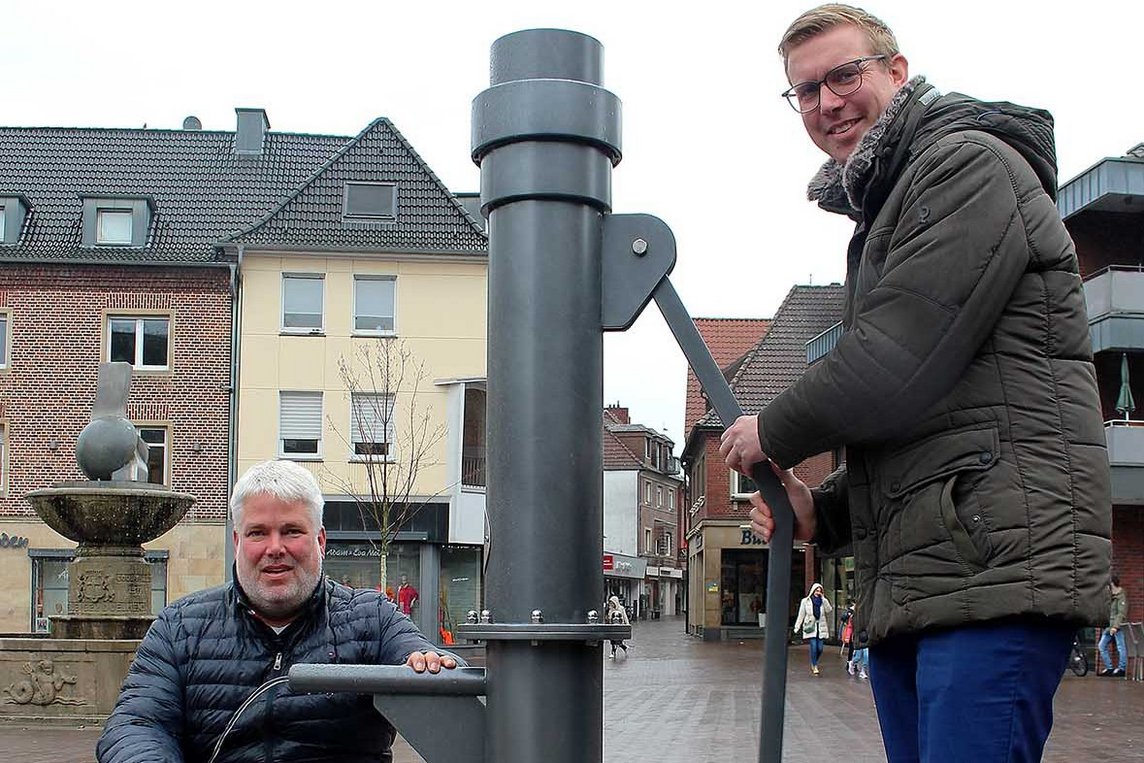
(208,654)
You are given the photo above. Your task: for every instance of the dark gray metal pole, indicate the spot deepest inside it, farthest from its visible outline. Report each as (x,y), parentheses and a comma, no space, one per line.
(546,136)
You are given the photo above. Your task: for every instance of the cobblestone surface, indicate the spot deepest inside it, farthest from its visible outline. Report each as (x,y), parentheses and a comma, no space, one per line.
(675,699)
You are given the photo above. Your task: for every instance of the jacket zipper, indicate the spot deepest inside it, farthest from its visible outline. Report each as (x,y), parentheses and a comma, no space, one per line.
(268,749)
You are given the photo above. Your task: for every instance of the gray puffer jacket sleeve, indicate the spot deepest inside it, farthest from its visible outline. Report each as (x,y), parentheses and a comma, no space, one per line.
(146,724)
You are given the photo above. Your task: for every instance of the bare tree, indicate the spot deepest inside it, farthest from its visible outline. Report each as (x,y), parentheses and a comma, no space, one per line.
(394,440)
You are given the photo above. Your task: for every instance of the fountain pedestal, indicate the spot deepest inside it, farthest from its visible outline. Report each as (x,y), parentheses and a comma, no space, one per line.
(109,583)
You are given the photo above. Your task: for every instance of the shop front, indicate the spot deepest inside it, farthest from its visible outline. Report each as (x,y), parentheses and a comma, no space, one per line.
(623,577)
(728,579)
(432,581)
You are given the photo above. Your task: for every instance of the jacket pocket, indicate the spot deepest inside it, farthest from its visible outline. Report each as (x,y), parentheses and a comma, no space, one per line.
(929,502)
(971,540)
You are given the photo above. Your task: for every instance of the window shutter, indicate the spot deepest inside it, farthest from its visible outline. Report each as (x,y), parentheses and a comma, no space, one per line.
(300,415)
(368,418)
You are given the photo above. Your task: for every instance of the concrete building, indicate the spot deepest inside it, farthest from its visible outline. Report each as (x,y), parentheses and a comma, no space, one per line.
(642,495)
(1103,209)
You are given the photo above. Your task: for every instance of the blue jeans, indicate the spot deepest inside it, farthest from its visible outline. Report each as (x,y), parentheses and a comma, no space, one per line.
(1122,658)
(979,693)
(861,659)
(816,647)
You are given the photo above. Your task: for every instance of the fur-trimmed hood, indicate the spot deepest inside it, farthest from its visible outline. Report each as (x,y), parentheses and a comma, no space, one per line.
(917,116)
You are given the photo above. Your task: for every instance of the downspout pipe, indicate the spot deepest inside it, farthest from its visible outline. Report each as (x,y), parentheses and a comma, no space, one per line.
(232,439)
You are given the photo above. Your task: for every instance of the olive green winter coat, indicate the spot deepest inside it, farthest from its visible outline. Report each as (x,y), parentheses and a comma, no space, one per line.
(977,481)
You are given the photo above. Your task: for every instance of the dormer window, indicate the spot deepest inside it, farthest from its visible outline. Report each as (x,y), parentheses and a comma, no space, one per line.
(12,209)
(118,222)
(113,227)
(370,202)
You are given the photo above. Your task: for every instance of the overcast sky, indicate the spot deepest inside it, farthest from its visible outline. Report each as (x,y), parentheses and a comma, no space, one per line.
(708,144)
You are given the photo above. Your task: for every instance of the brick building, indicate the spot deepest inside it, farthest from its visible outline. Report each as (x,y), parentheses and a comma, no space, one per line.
(642,498)
(107,252)
(726,563)
(1103,209)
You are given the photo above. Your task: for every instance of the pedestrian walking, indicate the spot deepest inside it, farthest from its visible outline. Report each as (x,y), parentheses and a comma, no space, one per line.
(1117,616)
(617,615)
(812,624)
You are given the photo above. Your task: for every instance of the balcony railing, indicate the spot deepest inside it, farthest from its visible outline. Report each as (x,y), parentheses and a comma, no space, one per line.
(472,471)
(823,343)
(1125,441)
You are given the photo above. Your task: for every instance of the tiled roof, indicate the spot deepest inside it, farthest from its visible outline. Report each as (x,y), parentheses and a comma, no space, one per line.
(429,218)
(616,454)
(779,358)
(203,193)
(201,190)
(728,339)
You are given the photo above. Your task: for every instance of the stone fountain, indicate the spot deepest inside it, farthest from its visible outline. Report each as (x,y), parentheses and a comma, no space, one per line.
(74,676)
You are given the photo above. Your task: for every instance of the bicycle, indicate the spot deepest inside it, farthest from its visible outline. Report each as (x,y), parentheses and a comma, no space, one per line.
(1078,660)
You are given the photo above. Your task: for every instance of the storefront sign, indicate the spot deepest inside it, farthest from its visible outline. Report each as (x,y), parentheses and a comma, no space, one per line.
(712,587)
(750,539)
(609,562)
(13,541)
(351,552)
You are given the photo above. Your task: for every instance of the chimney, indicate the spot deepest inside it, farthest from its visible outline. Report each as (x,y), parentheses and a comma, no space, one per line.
(251,132)
(618,413)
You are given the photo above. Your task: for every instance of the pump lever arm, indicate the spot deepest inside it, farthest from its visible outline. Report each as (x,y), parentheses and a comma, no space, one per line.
(779,558)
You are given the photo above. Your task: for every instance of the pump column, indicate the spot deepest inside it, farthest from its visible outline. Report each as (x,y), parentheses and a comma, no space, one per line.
(546,136)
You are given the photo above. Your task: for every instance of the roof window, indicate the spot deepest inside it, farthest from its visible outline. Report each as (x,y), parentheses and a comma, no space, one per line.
(370,201)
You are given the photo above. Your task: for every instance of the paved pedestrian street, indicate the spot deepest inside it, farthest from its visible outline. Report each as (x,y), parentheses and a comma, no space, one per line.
(677,699)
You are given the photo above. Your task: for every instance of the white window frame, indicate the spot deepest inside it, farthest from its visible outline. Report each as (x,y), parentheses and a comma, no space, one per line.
(649,544)
(369,405)
(5,334)
(321,327)
(358,278)
(671,498)
(647,492)
(736,487)
(300,398)
(659,496)
(141,473)
(137,362)
(106,213)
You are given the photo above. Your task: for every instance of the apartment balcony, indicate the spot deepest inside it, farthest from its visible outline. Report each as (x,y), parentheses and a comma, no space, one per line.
(1115,298)
(1126,458)
(472,470)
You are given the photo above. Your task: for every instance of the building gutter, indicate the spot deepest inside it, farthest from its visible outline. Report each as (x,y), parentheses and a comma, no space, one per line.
(232,439)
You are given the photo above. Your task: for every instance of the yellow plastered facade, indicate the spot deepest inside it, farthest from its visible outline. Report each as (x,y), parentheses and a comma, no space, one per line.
(439,314)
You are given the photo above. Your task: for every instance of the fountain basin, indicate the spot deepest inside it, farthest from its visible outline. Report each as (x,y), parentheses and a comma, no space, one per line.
(110,512)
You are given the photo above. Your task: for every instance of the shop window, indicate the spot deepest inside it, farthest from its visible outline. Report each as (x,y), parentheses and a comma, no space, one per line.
(460,589)
(358,565)
(50,584)
(743,583)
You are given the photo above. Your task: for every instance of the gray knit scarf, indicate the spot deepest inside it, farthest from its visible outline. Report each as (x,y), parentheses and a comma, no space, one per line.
(841,185)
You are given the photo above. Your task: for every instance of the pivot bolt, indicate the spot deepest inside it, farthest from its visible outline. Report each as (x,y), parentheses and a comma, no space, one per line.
(537,616)
(593,616)
(639,247)
(486,616)
(471,617)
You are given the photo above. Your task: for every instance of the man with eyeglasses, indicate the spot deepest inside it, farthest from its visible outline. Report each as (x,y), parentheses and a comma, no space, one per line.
(975,498)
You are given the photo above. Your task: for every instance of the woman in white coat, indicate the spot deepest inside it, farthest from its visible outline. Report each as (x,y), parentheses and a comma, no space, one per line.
(617,615)
(812,623)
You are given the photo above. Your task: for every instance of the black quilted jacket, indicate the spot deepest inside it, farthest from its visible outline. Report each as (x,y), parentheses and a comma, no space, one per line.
(206,653)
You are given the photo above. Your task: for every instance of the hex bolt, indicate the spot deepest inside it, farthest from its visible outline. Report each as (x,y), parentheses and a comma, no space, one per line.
(537,616)
(593,616)
(486,616)
(639,247)
(471,617)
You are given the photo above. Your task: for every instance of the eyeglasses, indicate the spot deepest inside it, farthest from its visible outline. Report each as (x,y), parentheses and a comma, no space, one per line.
(842,80)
